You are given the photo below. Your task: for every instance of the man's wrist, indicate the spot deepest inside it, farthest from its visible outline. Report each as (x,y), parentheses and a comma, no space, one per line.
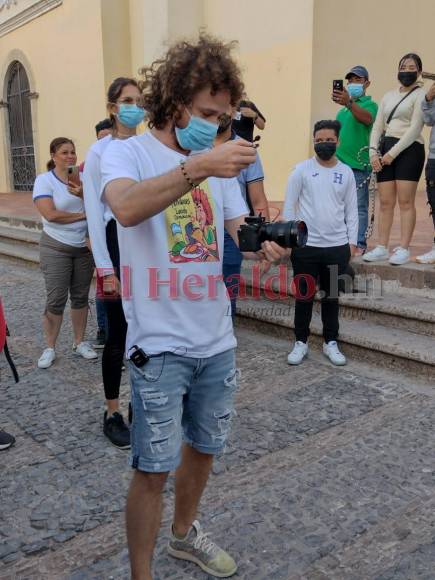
(349,103)
(105,271)
(197,168)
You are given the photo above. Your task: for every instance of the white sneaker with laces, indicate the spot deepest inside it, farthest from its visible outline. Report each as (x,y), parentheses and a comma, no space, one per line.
(400,256)
(428,258)
(331,350)
(85,350)
(199,548)
(377,254)
(47,358)
(299,352)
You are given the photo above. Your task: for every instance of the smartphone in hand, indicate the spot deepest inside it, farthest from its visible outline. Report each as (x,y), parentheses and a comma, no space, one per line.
(74,176)
(337,85)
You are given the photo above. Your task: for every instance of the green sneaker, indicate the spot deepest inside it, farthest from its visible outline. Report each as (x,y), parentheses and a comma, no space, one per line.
(198,548)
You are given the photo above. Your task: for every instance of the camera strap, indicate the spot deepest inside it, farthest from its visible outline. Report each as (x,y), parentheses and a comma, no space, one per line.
(372,186)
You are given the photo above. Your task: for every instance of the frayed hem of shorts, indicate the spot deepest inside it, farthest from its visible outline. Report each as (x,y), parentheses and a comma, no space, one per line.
(206,449)
(139,464)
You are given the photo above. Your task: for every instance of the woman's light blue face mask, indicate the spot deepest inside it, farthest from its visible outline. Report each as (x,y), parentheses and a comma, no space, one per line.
(130,115)
(198,134)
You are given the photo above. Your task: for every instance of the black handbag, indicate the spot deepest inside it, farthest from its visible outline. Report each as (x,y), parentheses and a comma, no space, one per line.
(381,143)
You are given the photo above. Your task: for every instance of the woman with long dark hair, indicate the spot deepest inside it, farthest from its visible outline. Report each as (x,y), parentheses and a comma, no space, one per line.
(399,165)
(124,103)
(65,259)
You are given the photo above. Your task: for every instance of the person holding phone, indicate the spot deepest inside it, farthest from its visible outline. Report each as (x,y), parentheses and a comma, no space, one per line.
(246,118)
(251,182)
(356,117)
(65,259)
(124,103)
(397,134)
(428,108)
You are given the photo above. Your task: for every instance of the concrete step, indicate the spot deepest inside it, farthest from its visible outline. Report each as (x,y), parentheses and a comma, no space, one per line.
(411,275)
(400,311)
(20,250)
(385,303)
(384,346)
(21,234)
(20,240)
(18,221)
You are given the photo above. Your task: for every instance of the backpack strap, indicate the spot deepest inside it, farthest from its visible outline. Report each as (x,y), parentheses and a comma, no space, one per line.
(4,332)
(11,363)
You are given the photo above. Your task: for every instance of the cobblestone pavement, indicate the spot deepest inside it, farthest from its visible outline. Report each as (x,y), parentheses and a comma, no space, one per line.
(329,473)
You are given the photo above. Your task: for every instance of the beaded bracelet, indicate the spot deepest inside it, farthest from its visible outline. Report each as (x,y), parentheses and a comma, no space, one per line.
(186,175)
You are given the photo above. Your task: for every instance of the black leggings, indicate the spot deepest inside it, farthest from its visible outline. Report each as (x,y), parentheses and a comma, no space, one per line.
(312,265)
(430,187)
(113,354)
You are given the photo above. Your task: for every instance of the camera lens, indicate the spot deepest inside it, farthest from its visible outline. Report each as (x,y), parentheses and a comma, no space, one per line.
(292,234)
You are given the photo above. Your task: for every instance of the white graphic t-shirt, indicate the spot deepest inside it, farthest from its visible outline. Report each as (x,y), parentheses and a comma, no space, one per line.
(174,297)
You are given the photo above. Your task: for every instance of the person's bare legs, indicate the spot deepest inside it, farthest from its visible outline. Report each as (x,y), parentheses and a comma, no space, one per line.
(51,323)
(79,319)
(387,199)
(143,515)
(406,196)
(190,481)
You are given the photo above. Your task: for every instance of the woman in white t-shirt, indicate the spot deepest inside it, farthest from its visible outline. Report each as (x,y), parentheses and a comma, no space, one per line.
(65,259)
(399,165)
(125,106)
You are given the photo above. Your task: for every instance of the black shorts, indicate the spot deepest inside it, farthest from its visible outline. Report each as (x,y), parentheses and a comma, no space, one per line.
(408,165)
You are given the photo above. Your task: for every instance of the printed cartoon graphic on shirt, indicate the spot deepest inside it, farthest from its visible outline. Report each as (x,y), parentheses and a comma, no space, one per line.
(191,228)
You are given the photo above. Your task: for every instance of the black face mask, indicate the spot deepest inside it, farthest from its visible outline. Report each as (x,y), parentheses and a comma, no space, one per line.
(325,150)
(407,78)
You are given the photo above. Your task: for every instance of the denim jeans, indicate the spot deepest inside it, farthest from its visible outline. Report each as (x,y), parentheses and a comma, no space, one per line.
(231,266)
(363,205)
(176,397)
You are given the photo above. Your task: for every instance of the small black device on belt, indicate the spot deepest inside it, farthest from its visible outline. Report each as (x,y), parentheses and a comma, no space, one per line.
(138,357)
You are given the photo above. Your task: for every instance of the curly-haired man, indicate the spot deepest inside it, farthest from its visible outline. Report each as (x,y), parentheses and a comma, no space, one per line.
(180,339)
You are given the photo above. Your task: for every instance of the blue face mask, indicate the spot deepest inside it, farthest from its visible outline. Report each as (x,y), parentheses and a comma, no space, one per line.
(355,90)
(197,135)
(130,115)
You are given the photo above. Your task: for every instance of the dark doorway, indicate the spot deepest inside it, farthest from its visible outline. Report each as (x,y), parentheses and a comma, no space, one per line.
(20,128)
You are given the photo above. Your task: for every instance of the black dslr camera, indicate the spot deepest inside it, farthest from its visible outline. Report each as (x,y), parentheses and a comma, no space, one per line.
(256,230)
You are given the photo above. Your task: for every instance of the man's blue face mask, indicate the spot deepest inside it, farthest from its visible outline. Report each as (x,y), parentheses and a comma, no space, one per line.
(197,135)
(355,90)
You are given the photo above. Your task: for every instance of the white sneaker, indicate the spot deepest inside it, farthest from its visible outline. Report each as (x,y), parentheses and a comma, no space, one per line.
(400,256)
(299,352)
(428,258)
(378,253)
(85,350)
(332,352)
(47,358)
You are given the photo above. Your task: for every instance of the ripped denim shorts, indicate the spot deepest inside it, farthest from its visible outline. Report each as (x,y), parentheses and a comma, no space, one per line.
(176,399)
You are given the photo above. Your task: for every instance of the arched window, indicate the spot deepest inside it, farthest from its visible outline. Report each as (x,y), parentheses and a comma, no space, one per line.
(20,128)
